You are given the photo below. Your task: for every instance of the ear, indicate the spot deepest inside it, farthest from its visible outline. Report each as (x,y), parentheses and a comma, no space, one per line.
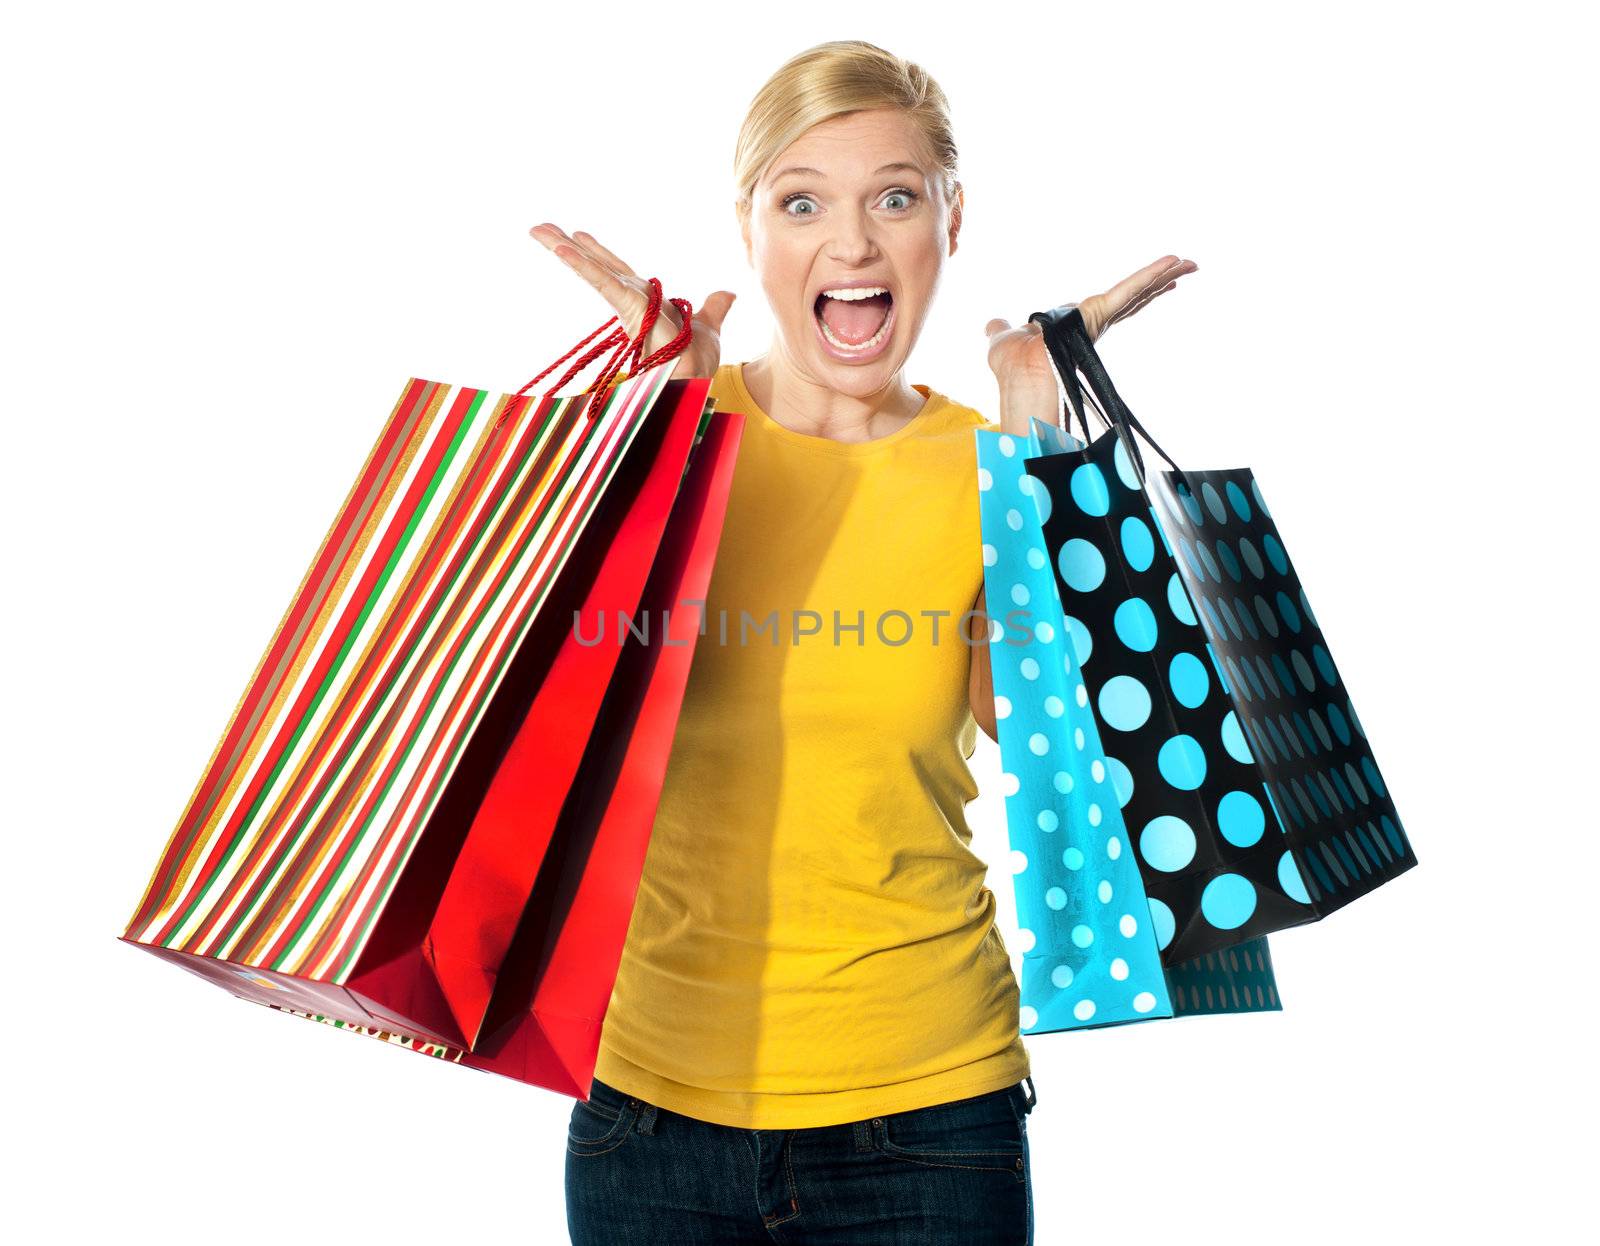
(743,213)
(955,215)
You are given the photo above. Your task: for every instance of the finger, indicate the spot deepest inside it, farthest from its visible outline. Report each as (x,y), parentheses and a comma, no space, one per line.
(1123,313)
(1132,286)
(555,237)
(592,244)
(1159,270)
(1138,303)
(1127,309)
(624,299)
(1128,296)
(547,234)
(1165,278)
(1151,276)
(588,249)
(715,309)
(551,234)
(599,255)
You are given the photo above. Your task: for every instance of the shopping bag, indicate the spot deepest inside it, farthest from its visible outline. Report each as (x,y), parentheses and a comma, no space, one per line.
(1253,798)
(550,1002)
(311,857)
(1091,954)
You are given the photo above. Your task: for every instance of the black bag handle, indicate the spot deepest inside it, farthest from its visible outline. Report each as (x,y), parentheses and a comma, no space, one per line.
(1066,371)
(1067,339)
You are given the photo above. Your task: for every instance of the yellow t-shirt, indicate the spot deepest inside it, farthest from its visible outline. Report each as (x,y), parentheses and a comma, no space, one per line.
(813,941)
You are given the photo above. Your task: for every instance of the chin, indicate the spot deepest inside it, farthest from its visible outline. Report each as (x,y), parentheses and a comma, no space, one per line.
(858,380)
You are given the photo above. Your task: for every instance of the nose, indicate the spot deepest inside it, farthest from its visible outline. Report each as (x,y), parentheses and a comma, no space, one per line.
(852,241)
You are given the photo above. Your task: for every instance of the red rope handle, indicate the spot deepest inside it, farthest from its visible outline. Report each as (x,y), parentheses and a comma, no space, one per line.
(628,350)
(625,350)
(678,344)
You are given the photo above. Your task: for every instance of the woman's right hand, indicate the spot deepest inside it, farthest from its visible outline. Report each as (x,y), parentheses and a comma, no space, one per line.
(629,295)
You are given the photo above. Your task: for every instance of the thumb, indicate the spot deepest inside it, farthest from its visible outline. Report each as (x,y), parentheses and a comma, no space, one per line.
(715,309)
(996,325)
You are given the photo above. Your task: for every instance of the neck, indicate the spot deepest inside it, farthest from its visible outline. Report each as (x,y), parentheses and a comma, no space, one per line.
(796,401)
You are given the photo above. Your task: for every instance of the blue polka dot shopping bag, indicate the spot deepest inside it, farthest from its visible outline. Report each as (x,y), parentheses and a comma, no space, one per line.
(1090,942)
(1245,777)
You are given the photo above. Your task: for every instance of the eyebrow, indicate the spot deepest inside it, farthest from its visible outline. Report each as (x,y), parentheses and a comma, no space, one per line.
(810,172)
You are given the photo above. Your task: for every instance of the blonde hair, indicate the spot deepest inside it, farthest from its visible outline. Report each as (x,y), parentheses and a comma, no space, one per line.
(828,81)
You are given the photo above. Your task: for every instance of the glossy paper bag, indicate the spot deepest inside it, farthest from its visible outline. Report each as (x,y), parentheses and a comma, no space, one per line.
(1091,945)
(309,863)
(1254,800)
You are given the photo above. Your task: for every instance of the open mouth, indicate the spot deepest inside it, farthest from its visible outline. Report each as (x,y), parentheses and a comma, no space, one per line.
(855,322)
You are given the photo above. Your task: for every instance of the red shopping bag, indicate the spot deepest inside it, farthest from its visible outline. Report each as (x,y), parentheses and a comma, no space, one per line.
(511,834)
(543,1025)
(310,859)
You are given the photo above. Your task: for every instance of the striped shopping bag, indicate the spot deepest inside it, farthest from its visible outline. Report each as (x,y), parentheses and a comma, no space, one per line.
(431,634)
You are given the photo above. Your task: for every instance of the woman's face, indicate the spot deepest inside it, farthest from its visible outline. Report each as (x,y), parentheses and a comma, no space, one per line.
(854,207)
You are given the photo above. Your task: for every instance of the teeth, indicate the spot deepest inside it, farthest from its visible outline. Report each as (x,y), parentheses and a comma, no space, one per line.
(855,295)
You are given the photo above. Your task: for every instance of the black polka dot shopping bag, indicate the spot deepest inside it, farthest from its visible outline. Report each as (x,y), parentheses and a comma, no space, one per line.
(1089,935)
(1247,782)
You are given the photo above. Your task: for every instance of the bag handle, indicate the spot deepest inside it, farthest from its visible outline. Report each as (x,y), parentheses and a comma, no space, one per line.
(1067,373)
(627,349)
(1066,337)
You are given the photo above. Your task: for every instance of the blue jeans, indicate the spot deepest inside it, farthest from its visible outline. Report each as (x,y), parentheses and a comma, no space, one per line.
(955,1172)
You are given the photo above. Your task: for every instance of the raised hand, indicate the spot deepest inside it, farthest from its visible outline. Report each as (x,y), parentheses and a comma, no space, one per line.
(1101,311)
(1021,364)
(628,295)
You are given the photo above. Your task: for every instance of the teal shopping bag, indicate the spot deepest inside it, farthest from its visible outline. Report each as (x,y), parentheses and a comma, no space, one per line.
(1090,948)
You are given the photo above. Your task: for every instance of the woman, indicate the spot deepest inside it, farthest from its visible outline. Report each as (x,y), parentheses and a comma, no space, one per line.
(814,1034)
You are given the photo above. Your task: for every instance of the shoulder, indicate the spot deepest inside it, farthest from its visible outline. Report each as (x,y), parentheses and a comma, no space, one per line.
(725,383)
(957,413)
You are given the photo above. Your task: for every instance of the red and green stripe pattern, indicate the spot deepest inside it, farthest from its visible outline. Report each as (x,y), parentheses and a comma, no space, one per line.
(422,1046)
(436,566)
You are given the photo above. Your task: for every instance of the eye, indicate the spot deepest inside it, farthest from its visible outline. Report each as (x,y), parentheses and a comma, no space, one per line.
(796,199)
(906,197)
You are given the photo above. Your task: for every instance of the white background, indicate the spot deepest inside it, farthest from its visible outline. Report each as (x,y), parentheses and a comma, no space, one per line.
(232,232)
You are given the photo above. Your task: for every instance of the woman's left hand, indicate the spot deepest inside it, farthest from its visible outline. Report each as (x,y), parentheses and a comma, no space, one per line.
(1021,363)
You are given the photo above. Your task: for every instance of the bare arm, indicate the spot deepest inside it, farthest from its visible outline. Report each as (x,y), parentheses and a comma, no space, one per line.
(980,683)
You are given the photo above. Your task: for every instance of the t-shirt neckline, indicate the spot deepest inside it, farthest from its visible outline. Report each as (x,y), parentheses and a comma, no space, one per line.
(932,400)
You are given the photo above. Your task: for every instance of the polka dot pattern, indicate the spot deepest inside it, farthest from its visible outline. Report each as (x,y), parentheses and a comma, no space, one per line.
(1251,794)
(1089,950)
